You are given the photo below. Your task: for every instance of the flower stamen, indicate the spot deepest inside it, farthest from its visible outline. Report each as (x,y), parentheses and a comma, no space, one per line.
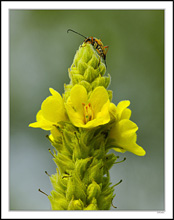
(88,112)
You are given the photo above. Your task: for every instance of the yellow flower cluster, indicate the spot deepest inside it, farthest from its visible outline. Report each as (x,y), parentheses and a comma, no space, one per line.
(89,110)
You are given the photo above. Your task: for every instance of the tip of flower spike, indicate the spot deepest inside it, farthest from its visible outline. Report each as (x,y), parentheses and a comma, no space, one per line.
(88,63)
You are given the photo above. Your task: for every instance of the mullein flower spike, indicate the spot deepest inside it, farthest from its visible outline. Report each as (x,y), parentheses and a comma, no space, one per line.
(84,125)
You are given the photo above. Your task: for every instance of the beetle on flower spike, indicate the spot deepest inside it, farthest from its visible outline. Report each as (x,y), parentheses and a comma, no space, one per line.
(96,43)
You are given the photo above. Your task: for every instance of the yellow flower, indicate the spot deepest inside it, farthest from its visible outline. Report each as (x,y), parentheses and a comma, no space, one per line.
(124,130)
(52,111)
(88,112)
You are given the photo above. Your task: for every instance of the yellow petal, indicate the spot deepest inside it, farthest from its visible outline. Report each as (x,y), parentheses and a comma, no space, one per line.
(104,113)
(39,116)
(55,93)
(133,148)
(76,118)
(98,98)
(94,123)
(127,127)
(113,110)
(41,122)
(121,107)
(124,135)
(53,108)
(124,132)
(119,149)
(136,149)
(45,125)
(55,133)
(126,114)
(78,96)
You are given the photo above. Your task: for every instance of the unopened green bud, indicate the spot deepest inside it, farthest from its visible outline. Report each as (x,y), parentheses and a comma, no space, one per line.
(82,66)
(93,190)
(76,78)
(92,205)
(99,153)
(87,85)
(102,69)
(105,198)
(105,201)
(54,180)
(73,71)
(59,183)
(94,172)
(90,74)
(94,62)
(76,188)
(75,204)
(68,141)
(87,53)
(64,163)
(101,81)
(58,201)
(81,166)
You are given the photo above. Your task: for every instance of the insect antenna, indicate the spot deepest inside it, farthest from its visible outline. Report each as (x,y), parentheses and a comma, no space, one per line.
(76,33)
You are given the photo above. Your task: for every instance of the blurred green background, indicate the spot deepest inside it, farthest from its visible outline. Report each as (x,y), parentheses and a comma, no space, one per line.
(41,52)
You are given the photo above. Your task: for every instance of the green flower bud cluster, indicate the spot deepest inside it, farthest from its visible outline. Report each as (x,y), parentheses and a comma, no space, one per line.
(82,180)
(87,70)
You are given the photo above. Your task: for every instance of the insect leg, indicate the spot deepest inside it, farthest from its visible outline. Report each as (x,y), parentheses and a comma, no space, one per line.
(106,47)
